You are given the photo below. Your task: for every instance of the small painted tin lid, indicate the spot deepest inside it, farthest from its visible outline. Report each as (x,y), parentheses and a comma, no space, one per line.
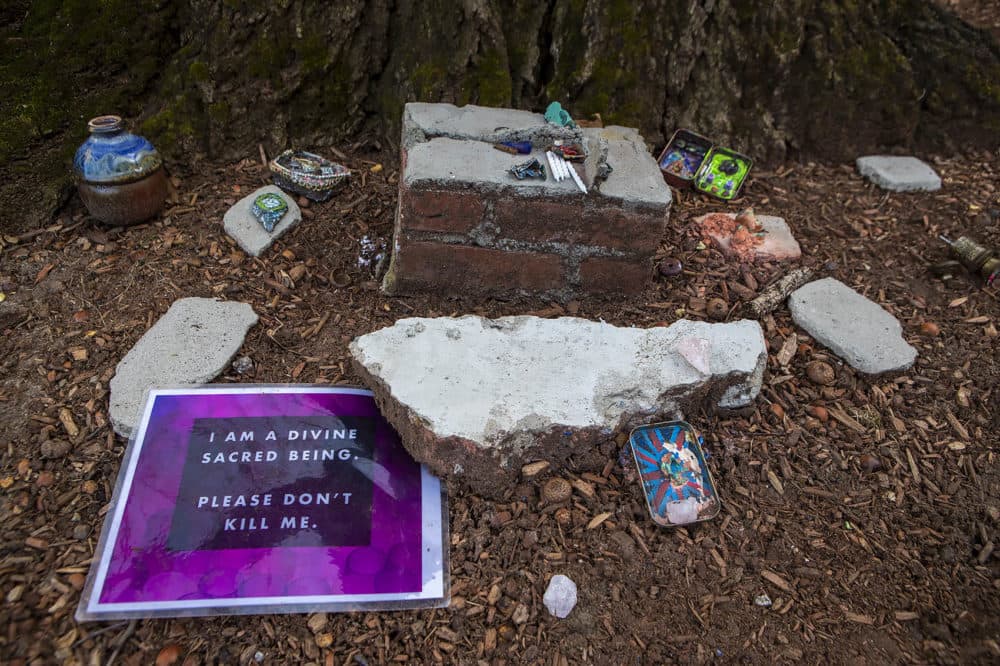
(676,480)
(113,156)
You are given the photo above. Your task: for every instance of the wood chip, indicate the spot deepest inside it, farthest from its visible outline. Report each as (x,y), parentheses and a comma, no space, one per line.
(842,416)
(534,468)
(66,418)
(957,426)
(776,482)
(598,519)
(860,619)
(788,349)
(777,580)
(584,488)
(906,616)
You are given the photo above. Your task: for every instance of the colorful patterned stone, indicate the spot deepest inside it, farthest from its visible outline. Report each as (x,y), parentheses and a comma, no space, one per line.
(269,208)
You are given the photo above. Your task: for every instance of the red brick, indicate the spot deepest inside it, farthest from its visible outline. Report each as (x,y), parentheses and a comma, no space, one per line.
(442,211)
(606,274)
(576,222)
(457,269)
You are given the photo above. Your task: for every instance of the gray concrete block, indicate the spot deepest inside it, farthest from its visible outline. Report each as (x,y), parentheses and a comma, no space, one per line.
(475,398)
(899,174)
(856,329)
(422,121)
(240,223)
(446,162)
(191,344)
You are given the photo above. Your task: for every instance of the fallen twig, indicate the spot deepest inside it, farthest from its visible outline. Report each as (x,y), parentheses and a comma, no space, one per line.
(774,295)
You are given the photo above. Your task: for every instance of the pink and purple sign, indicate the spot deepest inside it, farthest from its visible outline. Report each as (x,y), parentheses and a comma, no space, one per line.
(267,499)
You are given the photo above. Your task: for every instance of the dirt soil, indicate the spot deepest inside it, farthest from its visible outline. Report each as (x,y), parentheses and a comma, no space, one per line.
(868,511)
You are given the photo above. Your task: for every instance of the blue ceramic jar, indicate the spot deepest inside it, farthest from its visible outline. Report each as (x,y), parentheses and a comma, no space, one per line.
(119,175)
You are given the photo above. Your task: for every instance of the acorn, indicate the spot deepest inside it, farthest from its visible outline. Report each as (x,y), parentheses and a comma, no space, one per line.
(870,463)
(819,412)
(564,516)
(821,373)
(556,490)
(670,267)
(929,329)
(717,309)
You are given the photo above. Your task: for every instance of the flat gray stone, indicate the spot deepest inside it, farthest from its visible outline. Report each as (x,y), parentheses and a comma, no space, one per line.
(191,344)
(856,329)
(476,398)
(240,223)
(899,174)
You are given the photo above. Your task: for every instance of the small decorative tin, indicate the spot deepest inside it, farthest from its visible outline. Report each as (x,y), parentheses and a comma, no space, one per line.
(308,174)
(675,478)
(682,157)
(269,208)
(723,173)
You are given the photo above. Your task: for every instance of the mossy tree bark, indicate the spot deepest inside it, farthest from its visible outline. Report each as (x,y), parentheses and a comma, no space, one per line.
(819,78)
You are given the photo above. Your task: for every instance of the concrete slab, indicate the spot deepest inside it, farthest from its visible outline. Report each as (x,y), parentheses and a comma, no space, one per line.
(451,163)
(899,174)
(544,389)
(191,344)
(240,223)
(855,328)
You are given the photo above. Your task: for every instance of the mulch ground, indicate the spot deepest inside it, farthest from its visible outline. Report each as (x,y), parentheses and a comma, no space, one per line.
(867,510)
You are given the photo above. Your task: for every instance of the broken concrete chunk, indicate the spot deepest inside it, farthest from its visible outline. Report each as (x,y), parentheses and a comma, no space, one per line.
(899,174)
(191,344)
(477,398)
(240,222)
(856,329)
(774,240)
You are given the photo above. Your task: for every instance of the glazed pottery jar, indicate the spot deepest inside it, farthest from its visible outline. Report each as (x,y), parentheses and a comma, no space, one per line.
(120,175)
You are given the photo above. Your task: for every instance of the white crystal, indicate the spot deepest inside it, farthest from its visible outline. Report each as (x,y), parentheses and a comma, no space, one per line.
(560,596)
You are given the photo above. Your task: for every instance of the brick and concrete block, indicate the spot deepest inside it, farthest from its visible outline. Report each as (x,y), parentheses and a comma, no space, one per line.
(455,191)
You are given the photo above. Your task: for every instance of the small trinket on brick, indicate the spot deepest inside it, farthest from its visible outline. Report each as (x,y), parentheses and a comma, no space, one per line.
(530,169)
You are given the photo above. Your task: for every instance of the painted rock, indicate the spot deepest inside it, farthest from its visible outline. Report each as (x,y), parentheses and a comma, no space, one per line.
(269,208)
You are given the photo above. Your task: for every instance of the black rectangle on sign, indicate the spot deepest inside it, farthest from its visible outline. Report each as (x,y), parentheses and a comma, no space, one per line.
(264,482)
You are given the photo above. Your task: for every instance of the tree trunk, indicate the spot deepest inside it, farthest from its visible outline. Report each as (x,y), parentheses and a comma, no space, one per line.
(818,78)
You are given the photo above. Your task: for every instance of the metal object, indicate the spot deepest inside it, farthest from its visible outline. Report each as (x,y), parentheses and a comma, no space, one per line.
(975,257)
(675,477)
